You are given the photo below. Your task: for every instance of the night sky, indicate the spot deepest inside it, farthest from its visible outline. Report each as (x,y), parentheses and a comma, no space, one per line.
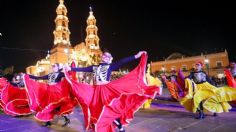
(125,27)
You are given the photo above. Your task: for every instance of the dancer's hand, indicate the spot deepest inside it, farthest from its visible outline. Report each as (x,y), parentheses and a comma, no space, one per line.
(138,55)
(163,77)
(67,68)
(22,74)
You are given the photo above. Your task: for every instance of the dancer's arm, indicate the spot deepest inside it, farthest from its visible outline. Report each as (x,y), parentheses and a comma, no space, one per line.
(83,69)
(45,77)
(209,80)
(117,65)
(190,76)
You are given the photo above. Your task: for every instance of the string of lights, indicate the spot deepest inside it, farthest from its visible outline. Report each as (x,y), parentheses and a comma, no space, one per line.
(21,49)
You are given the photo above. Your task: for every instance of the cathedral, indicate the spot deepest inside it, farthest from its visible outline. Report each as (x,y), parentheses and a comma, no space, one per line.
(84,54)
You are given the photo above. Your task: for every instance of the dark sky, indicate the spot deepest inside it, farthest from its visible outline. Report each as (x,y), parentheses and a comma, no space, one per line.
(125,27)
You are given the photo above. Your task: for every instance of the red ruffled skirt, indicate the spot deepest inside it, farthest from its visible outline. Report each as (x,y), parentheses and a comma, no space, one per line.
(15,101)
(230,79)
(49,100)
(3,84)
(102,104)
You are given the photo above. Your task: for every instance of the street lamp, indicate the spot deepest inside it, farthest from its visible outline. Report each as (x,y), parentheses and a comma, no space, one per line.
(207,65)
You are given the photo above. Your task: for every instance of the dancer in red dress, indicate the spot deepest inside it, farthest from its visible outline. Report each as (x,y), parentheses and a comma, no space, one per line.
(14,100)
(52,98)
(107,104)
(230,75)
(3,84)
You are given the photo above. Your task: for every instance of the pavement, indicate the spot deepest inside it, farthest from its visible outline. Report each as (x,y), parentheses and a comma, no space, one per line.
(165,115)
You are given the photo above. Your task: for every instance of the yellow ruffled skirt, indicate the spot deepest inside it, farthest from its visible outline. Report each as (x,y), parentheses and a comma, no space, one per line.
(147,104)
(151,81)
(214,99)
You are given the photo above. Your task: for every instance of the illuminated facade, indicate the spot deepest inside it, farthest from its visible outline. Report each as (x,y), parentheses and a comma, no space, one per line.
(84,53)
(89,53)
(214,64)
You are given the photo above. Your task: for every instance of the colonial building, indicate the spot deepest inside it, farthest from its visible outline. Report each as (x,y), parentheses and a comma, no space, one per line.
(62,52)
(214,63)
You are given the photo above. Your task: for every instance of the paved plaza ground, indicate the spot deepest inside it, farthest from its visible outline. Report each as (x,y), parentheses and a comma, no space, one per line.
(163,116)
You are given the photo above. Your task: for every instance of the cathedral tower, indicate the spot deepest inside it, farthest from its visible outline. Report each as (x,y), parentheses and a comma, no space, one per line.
(60,53)
(61,32)
(92,39)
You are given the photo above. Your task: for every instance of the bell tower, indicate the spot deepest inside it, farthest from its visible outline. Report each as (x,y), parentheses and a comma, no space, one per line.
(60,53)
(61,32)
(92,39)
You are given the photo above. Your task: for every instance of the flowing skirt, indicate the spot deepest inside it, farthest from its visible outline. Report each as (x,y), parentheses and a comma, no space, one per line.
(173,89)
(214,99)
(15,101)
(151,80)
(49,100)
(3,84)
(230,79)
(121,98)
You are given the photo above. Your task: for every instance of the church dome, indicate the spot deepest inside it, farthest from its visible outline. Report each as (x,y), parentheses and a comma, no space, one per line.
(174,56)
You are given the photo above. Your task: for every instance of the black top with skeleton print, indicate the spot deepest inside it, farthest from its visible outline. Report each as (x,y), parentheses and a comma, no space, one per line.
(199,77)
(19,84)
(102,72)
(51,77)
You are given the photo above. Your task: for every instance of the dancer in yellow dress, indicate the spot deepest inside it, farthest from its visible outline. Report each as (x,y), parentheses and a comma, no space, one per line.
(203,96)
(151,81)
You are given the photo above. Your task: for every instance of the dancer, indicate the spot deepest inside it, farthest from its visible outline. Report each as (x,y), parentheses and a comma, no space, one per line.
(3,84)
(204,96)
(175,84)
(112,102)
(52,98)
(230,75)
(14,99)
(151,80)
(233,69)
